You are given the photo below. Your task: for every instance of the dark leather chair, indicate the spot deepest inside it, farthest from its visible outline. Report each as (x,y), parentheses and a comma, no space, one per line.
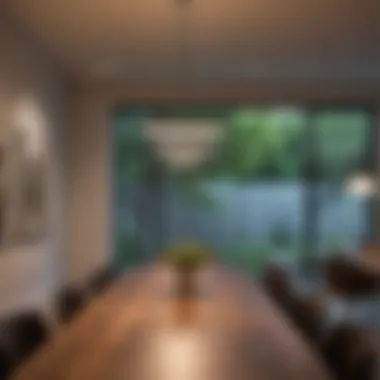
(278,286)
(25,333)
(102,279)
(345,278)
(350,353)
(68,303)
(7,362)
(307,315)
(364,368)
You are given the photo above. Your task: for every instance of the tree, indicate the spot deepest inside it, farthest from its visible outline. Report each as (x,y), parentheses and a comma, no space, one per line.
(342,141)
(261,143)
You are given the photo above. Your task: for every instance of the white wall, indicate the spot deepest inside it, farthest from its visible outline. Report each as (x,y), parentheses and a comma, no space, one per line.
(88,188)
(29,275)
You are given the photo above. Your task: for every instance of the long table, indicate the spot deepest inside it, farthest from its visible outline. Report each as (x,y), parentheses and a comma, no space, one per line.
(139,330)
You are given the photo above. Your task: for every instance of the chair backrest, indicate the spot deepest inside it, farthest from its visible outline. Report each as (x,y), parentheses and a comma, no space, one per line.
(336,349)
(102,279)
(364,368)
(345,277)
(7,363)
(307,314)
(68,303)
(349,353)
(26,332)
(278,286)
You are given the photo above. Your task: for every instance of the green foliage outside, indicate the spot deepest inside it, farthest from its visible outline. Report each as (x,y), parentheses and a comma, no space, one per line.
(280,235)
(126,249)
(260,144)
(251,257)
(342,141)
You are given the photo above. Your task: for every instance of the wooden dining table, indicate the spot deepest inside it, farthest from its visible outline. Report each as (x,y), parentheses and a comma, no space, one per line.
(139,330)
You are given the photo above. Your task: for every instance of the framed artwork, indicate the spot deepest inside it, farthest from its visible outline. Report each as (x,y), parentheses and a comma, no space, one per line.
(23,191)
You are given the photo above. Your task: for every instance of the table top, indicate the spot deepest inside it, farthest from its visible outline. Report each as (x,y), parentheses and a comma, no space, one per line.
(139,330)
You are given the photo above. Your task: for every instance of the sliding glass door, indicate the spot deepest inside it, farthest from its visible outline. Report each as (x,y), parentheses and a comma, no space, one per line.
(275,187)
(344,145)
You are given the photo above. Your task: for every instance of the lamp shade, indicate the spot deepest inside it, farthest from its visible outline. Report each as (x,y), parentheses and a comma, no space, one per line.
(183,143)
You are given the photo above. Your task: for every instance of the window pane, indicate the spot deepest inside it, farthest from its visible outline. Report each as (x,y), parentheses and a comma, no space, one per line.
(246,203)
(342,142)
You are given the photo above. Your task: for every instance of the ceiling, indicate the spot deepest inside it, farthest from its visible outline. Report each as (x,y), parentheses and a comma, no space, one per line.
(207,39)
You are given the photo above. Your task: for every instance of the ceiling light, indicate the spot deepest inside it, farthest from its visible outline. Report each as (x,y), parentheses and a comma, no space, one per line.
(182,143)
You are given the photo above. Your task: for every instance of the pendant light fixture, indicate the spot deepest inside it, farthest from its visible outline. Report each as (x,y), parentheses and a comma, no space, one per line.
(184,144)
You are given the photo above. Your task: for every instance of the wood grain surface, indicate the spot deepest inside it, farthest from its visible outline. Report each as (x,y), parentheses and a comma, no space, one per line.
(138,330)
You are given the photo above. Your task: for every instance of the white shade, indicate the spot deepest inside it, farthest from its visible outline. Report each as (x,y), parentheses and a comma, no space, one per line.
(183,143)
(180,157)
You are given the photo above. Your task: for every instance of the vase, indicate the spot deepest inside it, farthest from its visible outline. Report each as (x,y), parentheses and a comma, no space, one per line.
(185,284)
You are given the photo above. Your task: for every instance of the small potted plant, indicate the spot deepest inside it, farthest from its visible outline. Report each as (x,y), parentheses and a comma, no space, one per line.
(186,259)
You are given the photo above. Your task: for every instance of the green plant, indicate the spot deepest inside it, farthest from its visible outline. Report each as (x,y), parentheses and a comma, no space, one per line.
(251,257)
(281,235)
(186,257)
(126,249)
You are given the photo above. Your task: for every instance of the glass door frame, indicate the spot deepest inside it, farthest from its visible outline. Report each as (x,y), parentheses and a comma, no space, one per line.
(371,161)
(311,204)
